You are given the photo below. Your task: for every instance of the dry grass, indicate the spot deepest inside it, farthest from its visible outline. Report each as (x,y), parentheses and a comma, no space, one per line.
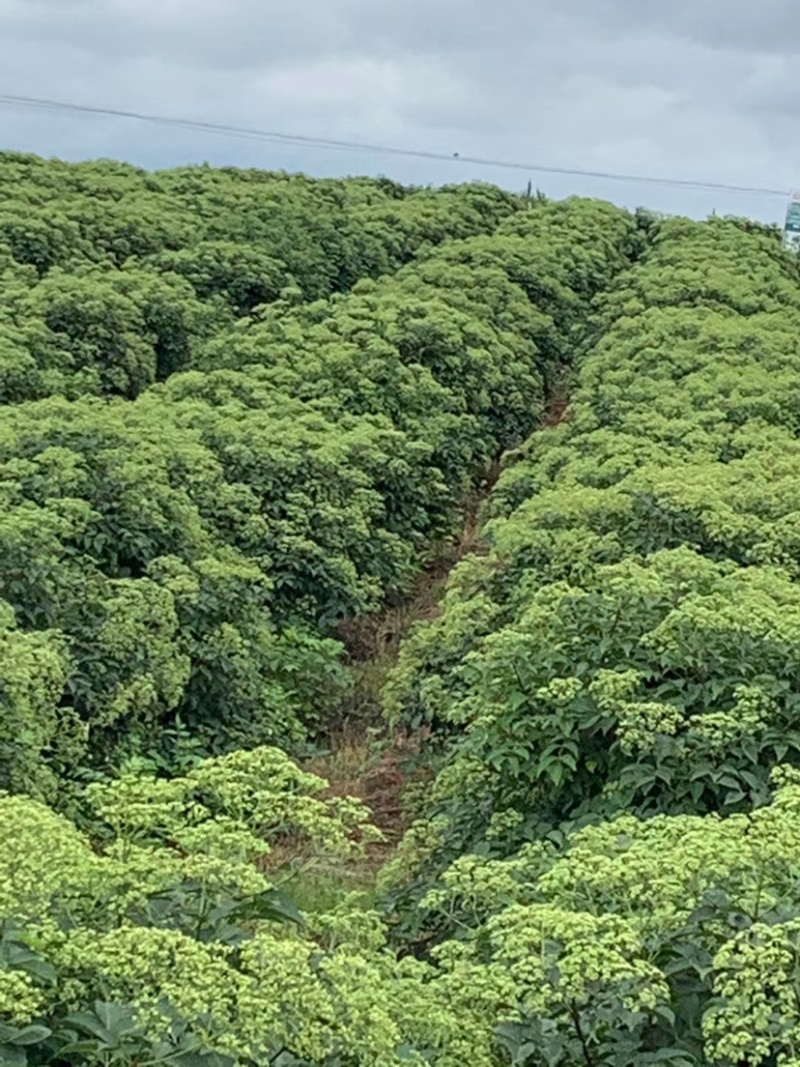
(362,761)
(372,642)
(377,773)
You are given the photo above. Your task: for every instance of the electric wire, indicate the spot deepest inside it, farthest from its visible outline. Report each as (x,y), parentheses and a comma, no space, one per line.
(13,100)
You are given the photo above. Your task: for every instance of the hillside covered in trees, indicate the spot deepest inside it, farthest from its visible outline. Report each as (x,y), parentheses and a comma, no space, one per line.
(245,416)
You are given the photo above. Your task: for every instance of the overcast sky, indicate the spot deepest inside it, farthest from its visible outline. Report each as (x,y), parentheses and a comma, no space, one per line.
(699,89)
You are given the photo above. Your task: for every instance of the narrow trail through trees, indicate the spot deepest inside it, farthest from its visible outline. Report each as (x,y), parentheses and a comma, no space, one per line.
(366,758)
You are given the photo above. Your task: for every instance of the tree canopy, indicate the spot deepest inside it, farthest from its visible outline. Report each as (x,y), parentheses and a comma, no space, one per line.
(241,409)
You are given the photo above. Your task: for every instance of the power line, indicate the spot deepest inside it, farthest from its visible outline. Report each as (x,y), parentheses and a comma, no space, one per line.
(12,100)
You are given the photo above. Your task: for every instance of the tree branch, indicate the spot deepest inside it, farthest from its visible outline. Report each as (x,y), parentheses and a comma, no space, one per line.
(576,1021)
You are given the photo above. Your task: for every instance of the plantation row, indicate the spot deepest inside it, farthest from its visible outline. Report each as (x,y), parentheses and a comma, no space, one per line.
(628,650)
(175,559)
(114,278)
(174,566)
(239,408)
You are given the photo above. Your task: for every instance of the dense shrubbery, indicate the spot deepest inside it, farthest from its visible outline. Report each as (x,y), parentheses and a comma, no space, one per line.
(240,407)
(627,648)
(183,555)
(643,553)
(114,277)
(673,939)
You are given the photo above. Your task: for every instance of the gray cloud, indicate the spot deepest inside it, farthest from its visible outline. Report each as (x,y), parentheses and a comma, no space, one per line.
(212,34)
(694,89)
(772,25)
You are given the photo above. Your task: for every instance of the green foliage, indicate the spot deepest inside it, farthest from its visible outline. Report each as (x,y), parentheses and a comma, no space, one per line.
(670,939)
(244,276)
(192,501)
(628,643)
(240,408)
(114,278)
(169,945)
(33,674)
